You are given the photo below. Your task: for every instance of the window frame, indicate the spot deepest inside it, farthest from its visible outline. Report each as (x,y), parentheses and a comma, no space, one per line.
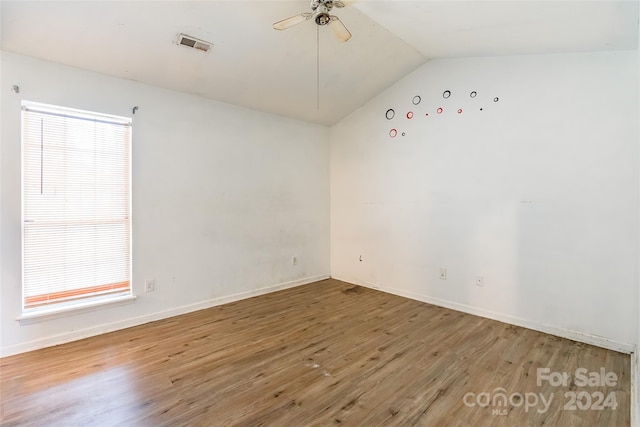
(88,302)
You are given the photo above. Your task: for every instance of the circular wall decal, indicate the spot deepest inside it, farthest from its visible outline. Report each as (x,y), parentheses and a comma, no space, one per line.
(446,94)
(439,110)
(403,134)
(416,100)
(473,94)
(393,133)
(496,99)
(459,110)
(389,114)
(410,115)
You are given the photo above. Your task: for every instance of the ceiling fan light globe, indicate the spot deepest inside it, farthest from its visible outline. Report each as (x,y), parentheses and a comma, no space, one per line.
(322,18)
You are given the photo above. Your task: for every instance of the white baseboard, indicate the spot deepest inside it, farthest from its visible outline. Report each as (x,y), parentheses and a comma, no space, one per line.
(135,321)
(525,323)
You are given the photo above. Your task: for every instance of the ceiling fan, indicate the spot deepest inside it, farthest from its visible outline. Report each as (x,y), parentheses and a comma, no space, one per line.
(320,14)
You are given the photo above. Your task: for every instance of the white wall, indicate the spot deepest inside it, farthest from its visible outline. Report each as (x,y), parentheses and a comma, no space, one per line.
(223,197)
(537,193)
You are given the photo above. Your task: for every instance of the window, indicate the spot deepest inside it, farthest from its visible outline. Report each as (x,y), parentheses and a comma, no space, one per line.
(76,207)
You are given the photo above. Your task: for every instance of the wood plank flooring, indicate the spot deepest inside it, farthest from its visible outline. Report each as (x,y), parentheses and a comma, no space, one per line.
(326,354)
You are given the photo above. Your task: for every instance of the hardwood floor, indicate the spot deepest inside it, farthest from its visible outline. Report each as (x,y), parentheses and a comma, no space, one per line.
(328,353)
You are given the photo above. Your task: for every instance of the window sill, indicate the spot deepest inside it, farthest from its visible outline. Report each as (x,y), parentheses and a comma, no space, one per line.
(45,314)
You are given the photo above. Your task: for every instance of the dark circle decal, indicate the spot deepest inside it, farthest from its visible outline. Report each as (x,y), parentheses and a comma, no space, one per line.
(473,94)
(496,99)
(390,113)
(459,110)
(426,114)
(439,110)
(410,115)
(446,94)
(416,100)
(393,133)
(403,134)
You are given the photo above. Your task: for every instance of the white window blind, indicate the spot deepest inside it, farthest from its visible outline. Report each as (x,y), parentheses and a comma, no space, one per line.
(76,195)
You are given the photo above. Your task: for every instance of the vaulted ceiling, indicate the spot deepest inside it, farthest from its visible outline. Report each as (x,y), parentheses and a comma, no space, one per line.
(254,66)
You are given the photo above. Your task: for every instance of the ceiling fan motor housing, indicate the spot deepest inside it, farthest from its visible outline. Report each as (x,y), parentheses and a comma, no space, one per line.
(326,4)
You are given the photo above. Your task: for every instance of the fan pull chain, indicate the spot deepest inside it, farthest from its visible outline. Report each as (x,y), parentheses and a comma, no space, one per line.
(318,66)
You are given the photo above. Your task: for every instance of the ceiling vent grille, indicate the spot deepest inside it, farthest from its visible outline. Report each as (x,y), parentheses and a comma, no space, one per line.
(194,43)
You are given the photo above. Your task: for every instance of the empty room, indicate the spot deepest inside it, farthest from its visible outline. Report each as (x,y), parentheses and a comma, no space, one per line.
(324,213)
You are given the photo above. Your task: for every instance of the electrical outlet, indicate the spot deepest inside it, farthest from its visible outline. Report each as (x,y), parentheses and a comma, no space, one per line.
(294,260)
(443,274)
(479,281)
(149,285)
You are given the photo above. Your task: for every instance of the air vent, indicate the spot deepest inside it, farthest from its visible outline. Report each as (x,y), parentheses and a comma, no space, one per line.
(194,43)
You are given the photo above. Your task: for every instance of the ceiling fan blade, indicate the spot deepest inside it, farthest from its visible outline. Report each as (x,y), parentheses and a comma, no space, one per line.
(290,22)
(339,30)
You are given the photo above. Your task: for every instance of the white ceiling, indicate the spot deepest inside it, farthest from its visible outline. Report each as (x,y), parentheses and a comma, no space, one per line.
(254,66)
